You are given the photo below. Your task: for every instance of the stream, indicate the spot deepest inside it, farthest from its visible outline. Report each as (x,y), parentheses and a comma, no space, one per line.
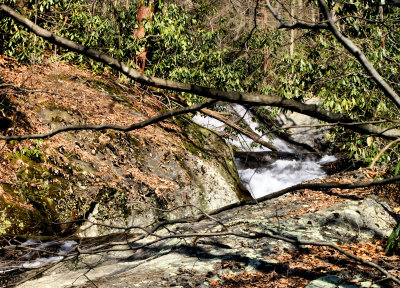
(267,177)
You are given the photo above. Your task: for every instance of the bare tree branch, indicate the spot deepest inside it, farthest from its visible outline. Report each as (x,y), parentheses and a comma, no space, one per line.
(339,124)
(301,25)
(232,96)
(113,127)
(252,135)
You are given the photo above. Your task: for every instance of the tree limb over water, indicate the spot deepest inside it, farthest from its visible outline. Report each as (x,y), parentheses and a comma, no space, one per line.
(310,110)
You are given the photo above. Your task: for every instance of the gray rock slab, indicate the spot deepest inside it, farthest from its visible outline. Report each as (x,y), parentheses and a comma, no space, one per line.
(180,262)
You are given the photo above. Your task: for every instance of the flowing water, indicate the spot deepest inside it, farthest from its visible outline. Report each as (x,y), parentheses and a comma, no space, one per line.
(280,174)
(58,249)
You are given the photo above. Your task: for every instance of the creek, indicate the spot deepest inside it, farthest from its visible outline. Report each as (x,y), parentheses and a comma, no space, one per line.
(263,176)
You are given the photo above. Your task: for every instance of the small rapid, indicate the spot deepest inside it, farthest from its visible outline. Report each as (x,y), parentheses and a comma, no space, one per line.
(274,176)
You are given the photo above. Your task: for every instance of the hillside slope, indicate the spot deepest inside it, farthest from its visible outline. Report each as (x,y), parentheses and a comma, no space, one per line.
(66,177)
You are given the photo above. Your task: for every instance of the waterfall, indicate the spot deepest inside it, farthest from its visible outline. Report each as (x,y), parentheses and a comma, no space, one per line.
(275,176)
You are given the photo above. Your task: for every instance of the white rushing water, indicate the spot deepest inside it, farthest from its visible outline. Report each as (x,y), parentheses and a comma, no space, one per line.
(278,175)
(61,248)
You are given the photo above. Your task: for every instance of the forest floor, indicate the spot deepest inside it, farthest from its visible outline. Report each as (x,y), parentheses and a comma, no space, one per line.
(294,268)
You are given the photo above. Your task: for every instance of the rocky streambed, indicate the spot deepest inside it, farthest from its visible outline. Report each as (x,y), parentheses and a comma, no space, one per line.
(231,261)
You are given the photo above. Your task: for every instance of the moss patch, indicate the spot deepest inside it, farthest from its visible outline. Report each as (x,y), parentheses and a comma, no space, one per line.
(102,86)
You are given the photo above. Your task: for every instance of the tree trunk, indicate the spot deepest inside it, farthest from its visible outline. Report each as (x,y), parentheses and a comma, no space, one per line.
(292,31)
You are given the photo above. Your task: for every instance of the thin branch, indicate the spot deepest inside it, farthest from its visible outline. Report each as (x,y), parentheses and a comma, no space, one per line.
(256,235)
(301,25)
(132,127)
(328,125)
(252,135)
(384,21)
(347,43)
(377,157)
(310,186)
(232,96)
(187,235)
(30,277)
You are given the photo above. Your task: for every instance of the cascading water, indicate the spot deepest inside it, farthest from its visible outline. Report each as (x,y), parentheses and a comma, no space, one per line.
(281,173)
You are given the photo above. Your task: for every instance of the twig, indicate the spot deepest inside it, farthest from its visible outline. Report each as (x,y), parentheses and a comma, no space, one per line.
(252,135)
(333,246)
(257,235)
(36,274)
(309,186)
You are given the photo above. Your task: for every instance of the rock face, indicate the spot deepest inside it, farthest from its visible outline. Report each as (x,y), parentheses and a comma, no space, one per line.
(200,176)
(112,177)
(199,262)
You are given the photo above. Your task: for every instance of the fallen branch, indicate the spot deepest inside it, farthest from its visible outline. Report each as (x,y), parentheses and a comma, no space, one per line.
(309,186)
(191,220)
(253,235)
(252,135)
(335,247)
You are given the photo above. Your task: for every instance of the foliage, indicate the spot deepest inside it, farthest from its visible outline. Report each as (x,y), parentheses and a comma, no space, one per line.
(186,50)
(322,68)
(35,153)
(183,47)
(393,245)
(105,25)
